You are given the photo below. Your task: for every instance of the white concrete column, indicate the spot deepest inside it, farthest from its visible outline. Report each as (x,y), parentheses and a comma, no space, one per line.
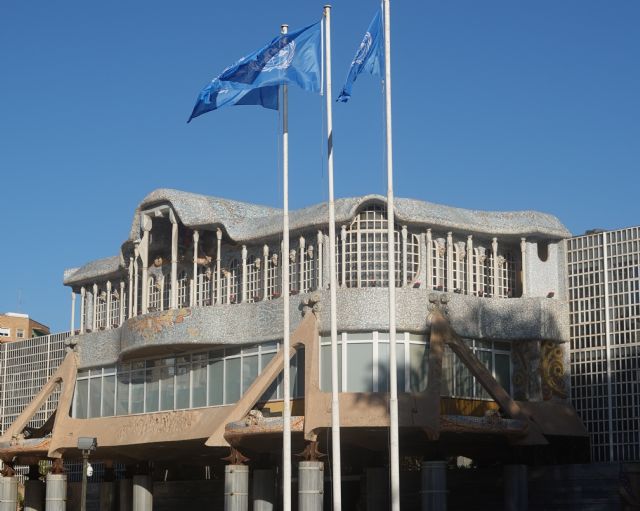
(136,283)
(56,492)
(131,265)
(218,269)
(94,320)
(125,494)
(429,259)
(73,312)
(310,485)
(265,271)
(404,256)
(228,284)
(236,488)
(122,300)
(144,255)
(8,493)
(343,240)
(173,297)
(302,256)
(83,309)
(142,493)
(523,265)
(33,495)
(516,492)
(108,305)
(469,264)
(244,273)
(320,283)
(449,262)
(494,262)
(194,277)
(434,486)
(264,490)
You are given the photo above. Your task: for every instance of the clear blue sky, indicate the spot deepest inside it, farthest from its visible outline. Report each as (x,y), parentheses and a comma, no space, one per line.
(497,105)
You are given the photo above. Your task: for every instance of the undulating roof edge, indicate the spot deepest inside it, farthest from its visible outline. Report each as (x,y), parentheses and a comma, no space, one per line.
(245,222)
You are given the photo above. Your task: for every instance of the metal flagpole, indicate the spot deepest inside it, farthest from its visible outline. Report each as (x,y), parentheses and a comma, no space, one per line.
(394,456)
(286,343)
(335,399)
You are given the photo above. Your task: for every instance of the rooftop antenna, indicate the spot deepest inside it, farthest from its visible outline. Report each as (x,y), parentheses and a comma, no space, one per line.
(19,300)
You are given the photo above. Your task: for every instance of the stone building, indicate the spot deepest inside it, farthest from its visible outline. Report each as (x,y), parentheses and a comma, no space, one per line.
(177,359)
(14,326)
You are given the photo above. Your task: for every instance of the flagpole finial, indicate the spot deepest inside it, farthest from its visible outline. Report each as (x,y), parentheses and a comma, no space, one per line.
(327,6)
(284,28)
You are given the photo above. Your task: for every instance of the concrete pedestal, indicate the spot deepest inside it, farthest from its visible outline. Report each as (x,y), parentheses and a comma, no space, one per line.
(56,492)
(310,485)
(516,492)
(142,493)
(264,490)
(236,488)
(434,486)
(376,484)
(33,495)
(125,494)
(8,493)
(107,496)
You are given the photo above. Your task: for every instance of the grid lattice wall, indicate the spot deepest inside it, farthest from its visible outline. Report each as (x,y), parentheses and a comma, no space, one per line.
(604,287)
(25,366)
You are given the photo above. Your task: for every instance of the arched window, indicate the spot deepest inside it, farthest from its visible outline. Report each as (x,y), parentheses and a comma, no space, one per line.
(115,308)
(101,310)
(294,271)
(253,279)
(274,279)
(439,265)
(506,278)
(365,251)
(183,288)
(459,268)
(203,289)
(235,280)
(479,268)
(310,269)
(154,294)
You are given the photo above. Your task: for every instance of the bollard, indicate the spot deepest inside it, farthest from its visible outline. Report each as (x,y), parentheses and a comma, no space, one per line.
(310,485)
(264,490)
(236,488)
(434,486)
(8,493)
(56,492)
(142,493)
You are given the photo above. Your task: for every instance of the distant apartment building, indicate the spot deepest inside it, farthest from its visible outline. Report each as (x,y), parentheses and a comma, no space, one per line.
(604,296)
(14,326)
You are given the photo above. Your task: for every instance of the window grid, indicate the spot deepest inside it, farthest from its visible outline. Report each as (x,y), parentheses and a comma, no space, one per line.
(604,281)
(201,379)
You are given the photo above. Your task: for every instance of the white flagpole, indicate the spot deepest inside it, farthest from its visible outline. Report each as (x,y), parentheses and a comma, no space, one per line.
(286,342)
(335,397)
(394,455)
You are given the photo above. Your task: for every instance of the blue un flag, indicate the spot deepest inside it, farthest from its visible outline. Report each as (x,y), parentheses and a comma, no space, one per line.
(292,58)
(369,56)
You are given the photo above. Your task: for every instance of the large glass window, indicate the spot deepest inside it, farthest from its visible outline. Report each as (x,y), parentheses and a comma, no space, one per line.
(366,362)
(194,380)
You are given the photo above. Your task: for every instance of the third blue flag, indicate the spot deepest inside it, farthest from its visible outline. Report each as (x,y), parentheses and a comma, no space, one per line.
(369,56)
